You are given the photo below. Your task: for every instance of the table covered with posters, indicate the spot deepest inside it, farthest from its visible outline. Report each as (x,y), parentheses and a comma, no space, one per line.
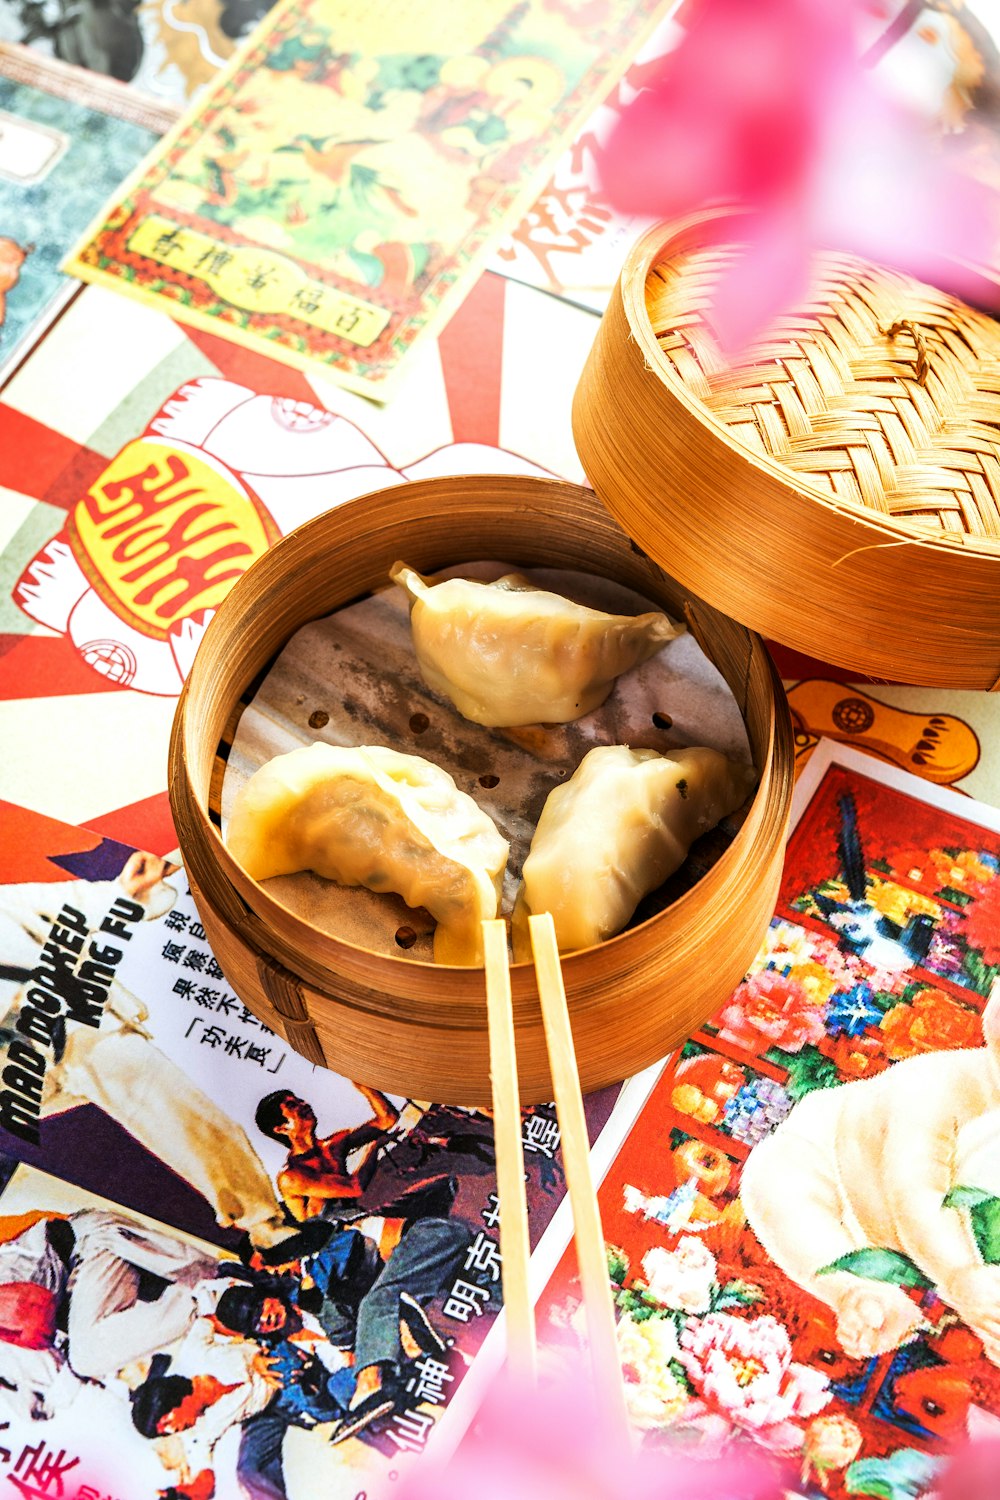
(207,1243)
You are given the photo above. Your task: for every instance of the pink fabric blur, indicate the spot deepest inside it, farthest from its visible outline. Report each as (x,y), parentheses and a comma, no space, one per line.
(973,1473)
(768,105)
(557,1443)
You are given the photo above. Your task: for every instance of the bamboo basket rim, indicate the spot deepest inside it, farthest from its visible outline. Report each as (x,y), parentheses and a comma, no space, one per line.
(185,750)
(697,230)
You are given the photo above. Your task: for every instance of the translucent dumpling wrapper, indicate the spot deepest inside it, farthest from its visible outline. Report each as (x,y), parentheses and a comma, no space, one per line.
(508,653)
(616,830)
(370,816)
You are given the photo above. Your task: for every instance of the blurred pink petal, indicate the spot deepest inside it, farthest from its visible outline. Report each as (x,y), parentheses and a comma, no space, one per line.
(772,274)
(737,109)
(973,1472)
(767,104)
(559,1443)
(885,188)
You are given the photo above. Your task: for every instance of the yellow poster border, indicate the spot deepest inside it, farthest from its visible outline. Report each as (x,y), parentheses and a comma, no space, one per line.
(382,389)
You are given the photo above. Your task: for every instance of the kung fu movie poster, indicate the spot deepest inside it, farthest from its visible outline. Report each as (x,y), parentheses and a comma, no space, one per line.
(803,1224)
(222,1270)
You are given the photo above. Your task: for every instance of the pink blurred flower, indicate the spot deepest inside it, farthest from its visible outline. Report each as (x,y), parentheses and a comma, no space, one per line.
(745,1368)
(559,1443)
(767,104)
(972,1473)
(771,1010)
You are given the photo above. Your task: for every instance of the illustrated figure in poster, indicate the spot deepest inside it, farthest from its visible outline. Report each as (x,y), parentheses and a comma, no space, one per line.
(871,1164)
(330,1338)
(332,1330)
(104,1064)
(936,56)
(864,929)
(335,1176)
(36,1378)
(184,509)
(104,37)
(121,1289)
(885,1164)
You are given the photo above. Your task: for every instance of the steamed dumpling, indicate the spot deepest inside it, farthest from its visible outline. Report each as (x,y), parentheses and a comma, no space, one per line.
(615,831)
(508,654)
(373,817)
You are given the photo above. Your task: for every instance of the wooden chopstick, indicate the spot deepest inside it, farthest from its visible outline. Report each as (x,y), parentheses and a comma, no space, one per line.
(515,1248)
(590,1248)
(514,1240)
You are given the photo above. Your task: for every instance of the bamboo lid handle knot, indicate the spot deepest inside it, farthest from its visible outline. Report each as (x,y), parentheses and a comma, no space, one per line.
(907,325)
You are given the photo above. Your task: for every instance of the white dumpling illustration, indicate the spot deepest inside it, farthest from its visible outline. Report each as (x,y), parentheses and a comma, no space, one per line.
(508,654)
(616,830)
(373,817)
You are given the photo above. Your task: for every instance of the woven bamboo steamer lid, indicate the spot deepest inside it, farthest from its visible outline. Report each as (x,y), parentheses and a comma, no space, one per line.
(419,1029)
(838,488)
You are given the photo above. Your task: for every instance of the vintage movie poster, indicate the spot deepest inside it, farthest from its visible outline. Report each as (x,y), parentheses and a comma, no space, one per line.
(66,142)
(137,1361)
(802,1223)
(335,193)
(317,1261)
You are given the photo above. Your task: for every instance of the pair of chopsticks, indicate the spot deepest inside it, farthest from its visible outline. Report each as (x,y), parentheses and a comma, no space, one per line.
(514,1242)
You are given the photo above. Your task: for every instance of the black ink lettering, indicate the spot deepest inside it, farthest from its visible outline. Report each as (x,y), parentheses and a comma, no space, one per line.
(23,1082)
(44,1000)
(96,974)
(87,1005)
(46,980)
(25,1071)
(104,955)
(128,911)
(57,958)
(116,929)
(36,1027)
(18,1116)
(71,941)
(26,1057)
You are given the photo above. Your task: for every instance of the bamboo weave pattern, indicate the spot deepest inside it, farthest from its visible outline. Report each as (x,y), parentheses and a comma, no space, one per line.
(880,390)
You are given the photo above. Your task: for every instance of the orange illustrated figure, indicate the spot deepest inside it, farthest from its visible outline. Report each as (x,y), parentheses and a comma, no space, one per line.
(937,746)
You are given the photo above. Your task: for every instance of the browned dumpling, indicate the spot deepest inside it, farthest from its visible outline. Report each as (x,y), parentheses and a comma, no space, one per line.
(616,830)
(371,816)
(508,654)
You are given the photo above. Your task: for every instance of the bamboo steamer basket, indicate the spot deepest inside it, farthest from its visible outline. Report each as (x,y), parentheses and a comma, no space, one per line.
(413,1028)
(838,488)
